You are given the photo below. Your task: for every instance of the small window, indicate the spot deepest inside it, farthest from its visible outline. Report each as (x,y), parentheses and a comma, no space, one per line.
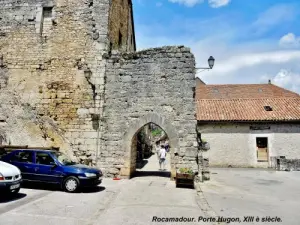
(47,12)
(23,157)
(44,159)
(268,108)
(120,39)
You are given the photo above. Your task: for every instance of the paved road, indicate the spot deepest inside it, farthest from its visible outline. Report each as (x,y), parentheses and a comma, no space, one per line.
(126,202)
(152,163)
(254,192)
(230,193)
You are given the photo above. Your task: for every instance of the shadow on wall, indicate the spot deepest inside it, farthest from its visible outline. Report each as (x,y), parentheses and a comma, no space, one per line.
(248,128)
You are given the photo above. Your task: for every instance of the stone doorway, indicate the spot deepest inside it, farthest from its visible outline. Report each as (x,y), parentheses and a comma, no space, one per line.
(131,141)
(146,145)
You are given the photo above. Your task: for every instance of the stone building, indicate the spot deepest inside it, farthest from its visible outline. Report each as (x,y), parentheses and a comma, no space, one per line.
(247,125)
(70,77)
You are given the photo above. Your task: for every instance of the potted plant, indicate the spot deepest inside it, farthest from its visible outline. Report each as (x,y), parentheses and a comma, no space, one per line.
(185,176)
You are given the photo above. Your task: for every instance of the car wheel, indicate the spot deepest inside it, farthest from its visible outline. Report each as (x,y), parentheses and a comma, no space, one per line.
(71,184)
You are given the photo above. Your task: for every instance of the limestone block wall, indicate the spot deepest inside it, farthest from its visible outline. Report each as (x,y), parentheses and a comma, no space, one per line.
(154,85)
(121,27)
(235,144)
(51,60)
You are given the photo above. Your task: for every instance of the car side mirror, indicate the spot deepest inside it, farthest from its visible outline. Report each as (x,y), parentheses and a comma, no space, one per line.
(53,165)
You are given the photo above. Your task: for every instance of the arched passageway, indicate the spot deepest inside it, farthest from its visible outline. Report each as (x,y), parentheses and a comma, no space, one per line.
(146,148)
(130,143)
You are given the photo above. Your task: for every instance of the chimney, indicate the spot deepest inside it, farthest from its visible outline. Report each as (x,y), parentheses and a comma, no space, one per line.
(269,82)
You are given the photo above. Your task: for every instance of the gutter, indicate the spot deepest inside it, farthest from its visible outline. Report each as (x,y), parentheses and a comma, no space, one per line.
(247,121)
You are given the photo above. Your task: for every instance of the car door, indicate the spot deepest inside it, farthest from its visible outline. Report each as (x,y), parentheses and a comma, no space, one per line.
(46,169)
(24,161)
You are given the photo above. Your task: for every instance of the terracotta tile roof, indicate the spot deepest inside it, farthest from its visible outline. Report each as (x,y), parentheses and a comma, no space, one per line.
(284,109)
(234,91)
(246,103)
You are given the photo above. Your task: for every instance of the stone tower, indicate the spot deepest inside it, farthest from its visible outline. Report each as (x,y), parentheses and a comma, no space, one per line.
(52,64)
(70,77)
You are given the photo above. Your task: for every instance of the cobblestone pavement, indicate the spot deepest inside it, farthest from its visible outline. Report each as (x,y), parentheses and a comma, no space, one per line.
(254,192)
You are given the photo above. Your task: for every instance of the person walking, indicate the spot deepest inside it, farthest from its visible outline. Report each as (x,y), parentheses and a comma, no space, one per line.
(162,157)
(157,147)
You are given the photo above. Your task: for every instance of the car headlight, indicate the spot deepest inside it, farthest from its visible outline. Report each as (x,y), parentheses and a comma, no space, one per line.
(90,174)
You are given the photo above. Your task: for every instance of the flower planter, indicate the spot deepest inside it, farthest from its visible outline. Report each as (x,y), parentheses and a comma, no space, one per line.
(184,179)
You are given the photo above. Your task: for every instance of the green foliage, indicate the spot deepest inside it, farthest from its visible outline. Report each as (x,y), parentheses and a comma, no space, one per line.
(156,132)
(186,170)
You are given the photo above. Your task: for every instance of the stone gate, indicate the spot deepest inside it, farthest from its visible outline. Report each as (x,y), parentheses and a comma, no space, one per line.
(151,86)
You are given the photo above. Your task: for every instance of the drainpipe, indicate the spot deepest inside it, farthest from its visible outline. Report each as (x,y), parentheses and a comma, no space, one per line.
(101,114)
(199,154)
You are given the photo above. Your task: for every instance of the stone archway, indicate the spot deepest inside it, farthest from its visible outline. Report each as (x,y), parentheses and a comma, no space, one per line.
(134,128)
(152,86)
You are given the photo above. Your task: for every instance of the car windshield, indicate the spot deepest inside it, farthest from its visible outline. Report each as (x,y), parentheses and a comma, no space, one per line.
(64,159)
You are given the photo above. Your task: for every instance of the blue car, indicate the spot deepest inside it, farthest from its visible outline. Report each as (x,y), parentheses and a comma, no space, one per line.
(55,167)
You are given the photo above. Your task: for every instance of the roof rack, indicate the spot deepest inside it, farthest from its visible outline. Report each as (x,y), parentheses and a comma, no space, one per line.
(12,147)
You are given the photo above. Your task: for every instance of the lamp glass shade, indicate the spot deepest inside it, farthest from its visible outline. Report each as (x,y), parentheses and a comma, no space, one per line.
(211,62)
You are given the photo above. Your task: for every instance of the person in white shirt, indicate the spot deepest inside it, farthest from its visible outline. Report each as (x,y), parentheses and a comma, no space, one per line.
(157,148)
(162,157)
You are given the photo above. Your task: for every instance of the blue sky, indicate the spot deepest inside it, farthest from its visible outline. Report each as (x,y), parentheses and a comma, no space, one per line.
(252,40)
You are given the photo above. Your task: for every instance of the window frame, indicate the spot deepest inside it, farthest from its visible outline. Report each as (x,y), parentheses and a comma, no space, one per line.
(20,152)
(46,153)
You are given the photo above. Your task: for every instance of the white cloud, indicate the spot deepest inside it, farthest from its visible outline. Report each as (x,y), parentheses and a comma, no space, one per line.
(289,40)
(189,3)
(252,62)
(277,14)
(212,3)
(286,79)
(218,3)
(242,61)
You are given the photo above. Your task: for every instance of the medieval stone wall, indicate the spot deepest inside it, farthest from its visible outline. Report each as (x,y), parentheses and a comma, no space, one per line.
(51,60)
(155,85)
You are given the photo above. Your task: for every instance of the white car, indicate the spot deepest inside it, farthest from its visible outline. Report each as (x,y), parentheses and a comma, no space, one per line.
(10,179)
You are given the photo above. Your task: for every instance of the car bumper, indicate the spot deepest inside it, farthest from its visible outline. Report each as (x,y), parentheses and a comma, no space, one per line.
(89,182)
(10,186)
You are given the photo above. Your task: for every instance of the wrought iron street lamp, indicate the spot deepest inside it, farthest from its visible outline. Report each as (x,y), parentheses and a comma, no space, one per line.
(211,62)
